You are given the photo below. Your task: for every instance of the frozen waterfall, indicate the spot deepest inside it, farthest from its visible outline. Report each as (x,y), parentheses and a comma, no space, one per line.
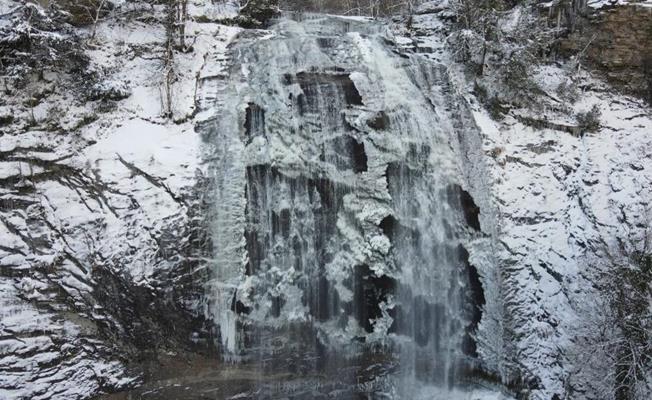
(338,219)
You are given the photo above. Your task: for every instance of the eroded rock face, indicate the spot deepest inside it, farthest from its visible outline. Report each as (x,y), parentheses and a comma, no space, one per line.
(95,268)
(619,41)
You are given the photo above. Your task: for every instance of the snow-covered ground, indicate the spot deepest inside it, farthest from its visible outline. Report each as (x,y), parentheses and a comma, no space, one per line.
(613,3)
(94,187)
(558,205)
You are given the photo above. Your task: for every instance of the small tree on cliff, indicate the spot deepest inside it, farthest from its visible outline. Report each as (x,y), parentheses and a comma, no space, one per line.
(647,72)
(478,34)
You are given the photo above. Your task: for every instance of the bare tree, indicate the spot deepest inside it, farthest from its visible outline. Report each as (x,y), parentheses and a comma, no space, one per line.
(175,24)
(613,353)
(628,290)
(96,16)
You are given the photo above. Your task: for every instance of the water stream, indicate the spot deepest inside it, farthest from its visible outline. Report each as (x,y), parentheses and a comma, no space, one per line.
(338,218)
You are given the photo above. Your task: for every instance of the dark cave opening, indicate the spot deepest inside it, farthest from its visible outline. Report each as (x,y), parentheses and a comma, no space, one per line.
(369,291)
(388,225)
(254,122)
(380,121)
(309,80)
(346,152)
(460,197)
(474,302)
(359,156)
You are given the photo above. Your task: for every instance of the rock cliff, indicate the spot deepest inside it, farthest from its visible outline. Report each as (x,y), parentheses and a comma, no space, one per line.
(136,199)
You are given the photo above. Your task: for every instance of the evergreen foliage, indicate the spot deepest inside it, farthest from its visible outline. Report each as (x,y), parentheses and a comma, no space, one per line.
(37,40)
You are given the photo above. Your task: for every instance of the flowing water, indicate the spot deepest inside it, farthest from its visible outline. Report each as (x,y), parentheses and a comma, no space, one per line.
(337,217)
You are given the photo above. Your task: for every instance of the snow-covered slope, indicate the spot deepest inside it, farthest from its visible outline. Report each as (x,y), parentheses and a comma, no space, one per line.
(98,212)
(559,206)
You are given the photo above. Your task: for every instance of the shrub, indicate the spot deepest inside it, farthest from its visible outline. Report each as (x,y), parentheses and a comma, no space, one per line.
(492,103)
(568,91)
(37,40)
(589,121)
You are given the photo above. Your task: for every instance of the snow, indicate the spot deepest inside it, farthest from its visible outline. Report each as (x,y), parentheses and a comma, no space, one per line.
(433,393)
(543,224)
(549,200)
(598,4)
(553,204)
(604,3)
(109,192)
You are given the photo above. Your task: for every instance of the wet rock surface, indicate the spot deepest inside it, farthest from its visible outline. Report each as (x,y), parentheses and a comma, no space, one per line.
(620,47)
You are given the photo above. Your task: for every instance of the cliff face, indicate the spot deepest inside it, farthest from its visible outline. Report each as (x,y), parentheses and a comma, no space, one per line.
(101,236)
(122,215)
(618,42)
(561,206)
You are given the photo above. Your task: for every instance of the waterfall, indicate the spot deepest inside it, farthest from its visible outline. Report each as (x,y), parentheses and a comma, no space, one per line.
(337,215)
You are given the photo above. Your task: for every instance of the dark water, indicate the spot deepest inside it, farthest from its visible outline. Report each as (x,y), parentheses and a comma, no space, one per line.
(208,379)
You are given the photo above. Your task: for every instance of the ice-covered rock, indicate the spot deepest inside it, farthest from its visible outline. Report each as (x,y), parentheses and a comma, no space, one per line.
(302,177)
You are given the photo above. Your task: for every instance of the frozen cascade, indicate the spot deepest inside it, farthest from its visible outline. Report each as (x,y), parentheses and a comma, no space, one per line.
(338,217)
